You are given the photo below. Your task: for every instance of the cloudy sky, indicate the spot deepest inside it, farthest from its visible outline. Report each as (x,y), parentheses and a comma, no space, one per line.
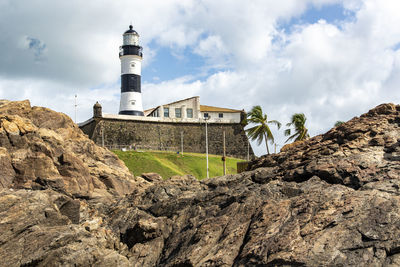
(330,59)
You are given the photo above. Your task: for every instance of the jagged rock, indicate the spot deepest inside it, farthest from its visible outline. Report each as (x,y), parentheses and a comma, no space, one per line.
(355,153)
(151,177)
(332,200)
(232,221)
(35,231)
(45,149)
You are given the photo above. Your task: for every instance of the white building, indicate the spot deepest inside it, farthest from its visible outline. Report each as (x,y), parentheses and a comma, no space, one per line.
(190,110)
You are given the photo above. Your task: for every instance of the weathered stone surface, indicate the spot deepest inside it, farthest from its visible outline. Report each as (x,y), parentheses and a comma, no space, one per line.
(45,149)
(355,153)
(151,177)
(233,221)
(36,232)
(333,200)
(7,172)
(167,135)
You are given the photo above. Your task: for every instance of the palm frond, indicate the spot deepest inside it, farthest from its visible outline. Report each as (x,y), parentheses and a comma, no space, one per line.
(269,135)
(291,137)
(260,132)
(277,123)
(298,121)
(255,133)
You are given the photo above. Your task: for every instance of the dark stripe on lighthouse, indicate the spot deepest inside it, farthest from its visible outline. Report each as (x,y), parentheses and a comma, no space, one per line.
(131,112)
(130,83)
(131,50)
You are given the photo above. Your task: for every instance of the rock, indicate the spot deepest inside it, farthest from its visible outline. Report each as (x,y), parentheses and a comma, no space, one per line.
(45,149)
(332,200)
(291,145)
(152,177)
(36,232)
(7,172)
(352,154)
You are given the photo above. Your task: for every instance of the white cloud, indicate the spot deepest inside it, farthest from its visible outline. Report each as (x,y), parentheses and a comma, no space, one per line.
(328,71)
(212,48)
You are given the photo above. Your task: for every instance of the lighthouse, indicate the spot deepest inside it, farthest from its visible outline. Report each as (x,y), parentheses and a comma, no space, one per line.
(131,64)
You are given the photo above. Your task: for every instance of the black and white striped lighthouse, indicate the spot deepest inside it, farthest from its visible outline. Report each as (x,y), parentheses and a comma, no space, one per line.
(131,64)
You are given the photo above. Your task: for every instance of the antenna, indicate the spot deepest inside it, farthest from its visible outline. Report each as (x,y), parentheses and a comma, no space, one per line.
(76,96)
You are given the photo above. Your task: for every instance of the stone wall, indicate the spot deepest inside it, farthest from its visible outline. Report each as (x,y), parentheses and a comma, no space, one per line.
(167,136)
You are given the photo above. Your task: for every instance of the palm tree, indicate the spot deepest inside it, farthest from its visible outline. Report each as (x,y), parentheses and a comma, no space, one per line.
(261,130)
(301,132)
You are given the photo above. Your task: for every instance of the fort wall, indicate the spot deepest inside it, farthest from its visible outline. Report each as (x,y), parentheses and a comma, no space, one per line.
(167,136)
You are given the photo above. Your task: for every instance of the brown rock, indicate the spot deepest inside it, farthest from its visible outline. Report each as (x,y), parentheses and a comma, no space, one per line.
(47,150)
(36,230)
(351,154)
(7,172)
(332,200)
(151,177)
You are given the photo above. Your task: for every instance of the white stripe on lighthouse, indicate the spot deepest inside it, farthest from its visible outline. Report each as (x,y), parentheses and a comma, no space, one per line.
(131,64)
(131,101)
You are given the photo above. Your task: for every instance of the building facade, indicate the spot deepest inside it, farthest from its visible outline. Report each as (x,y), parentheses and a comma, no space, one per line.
(169,133)
(189,109)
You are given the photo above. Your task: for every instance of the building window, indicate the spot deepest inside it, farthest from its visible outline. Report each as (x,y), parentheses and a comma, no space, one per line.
(205,115)
(220,115)
(155,113)
(178,112)
(189,112)
(166,112)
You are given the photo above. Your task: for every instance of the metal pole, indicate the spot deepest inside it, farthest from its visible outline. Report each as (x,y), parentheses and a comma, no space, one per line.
(207,149)
(248,150)
(182,143)
(224,157)
(102,135)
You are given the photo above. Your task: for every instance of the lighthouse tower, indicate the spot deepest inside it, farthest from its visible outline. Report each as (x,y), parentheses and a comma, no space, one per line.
(131,64)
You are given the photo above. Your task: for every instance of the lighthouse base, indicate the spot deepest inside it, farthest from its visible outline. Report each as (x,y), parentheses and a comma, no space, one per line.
(131,104)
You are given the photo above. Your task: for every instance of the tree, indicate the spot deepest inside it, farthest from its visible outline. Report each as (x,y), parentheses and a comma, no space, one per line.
(338,123)
(298,122)
(261,130)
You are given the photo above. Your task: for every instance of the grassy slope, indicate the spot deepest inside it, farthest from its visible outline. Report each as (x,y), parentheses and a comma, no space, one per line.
(168,164)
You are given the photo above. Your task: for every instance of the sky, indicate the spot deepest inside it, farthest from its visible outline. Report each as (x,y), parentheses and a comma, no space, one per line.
(329,59)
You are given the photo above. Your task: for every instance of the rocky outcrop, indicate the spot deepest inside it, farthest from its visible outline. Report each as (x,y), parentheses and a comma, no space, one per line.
(360,151)
(46,228)
(42,149)
(332,200)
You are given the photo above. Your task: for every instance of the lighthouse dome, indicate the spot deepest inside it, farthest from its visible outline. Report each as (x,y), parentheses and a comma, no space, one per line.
(131,31)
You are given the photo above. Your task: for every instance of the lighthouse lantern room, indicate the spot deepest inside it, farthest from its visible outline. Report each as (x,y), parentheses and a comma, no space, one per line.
(131,64)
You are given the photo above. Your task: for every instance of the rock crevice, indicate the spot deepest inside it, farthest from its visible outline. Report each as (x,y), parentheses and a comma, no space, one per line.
(332,200)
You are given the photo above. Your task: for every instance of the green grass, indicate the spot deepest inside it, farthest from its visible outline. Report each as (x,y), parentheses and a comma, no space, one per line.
(168,164)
